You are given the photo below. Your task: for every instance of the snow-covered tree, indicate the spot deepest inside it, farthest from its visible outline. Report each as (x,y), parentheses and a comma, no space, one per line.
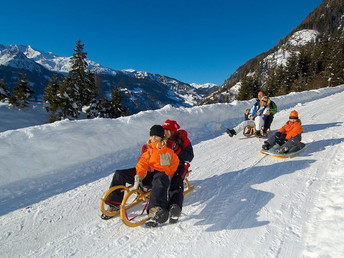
(4,92)
(22,91)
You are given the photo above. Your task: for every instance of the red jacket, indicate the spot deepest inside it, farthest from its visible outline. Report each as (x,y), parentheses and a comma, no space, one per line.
(291,129)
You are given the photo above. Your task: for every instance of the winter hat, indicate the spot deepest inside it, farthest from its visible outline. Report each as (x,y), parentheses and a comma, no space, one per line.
(171,125)
(294,115)
(157,130)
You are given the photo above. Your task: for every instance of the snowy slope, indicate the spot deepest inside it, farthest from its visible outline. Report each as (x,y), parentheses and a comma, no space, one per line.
(244,204)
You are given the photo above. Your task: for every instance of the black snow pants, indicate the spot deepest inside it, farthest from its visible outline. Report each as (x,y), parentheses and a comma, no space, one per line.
(158,181)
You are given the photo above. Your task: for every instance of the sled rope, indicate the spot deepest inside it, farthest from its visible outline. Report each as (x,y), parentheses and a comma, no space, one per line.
(252,166)
(144,208)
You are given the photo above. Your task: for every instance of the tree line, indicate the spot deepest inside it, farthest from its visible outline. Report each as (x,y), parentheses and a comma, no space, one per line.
(317,64)
(76,94)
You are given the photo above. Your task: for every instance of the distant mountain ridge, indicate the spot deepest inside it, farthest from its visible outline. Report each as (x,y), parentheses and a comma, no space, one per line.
(327,20)
(140,90)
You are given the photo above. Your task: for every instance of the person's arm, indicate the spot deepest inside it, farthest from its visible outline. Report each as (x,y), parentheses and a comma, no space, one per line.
(273,108)
(142,164)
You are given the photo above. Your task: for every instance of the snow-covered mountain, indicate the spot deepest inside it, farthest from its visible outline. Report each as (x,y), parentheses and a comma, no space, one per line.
(323,26)
(282,54)
(52,177)
(140,90)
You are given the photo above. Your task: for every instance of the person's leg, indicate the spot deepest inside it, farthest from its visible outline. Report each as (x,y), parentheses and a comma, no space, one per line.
(158,196)
(269,142)
(157,207)
(291,143)
(121,177)
(177,187)
(242,125)
(267,122)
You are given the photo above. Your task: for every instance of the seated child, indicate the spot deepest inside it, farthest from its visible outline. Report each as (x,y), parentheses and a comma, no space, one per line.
(288,136)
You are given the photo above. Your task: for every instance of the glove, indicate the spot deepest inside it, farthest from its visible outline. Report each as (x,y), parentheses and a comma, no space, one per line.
(280,138)
(137,182)
(174,146)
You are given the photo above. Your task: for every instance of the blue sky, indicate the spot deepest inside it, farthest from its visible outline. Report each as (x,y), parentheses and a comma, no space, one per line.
(192,41)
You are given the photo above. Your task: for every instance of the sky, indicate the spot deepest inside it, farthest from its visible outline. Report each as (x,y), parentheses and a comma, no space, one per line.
(192,41)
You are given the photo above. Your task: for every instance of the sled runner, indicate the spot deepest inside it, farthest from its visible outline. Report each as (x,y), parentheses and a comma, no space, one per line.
(290,154)
(251,131)
(133,209)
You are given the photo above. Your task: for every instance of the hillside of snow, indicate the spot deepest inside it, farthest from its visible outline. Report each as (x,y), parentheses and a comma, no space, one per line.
(298,39)
(52,177)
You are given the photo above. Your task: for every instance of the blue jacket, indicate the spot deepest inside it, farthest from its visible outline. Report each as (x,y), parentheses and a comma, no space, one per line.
(256,107)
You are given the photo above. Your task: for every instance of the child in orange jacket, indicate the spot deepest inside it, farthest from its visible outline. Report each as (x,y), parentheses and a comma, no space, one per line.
(157,166)
(288,136)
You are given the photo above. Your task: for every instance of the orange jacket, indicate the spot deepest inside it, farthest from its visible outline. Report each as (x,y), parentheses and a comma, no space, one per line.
(161,159)
(291,129)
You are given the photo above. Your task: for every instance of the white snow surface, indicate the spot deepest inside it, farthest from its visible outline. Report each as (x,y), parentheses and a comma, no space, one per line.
(52,177)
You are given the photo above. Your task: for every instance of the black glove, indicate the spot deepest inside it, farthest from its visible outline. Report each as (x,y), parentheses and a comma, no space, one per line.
(280,138)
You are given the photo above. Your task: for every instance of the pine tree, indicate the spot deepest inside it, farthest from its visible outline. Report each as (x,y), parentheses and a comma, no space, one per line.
(336,67)
(118,108)
(78,88)
(4,92)
(68,103)
(22,91)
(246,88)
(52,99)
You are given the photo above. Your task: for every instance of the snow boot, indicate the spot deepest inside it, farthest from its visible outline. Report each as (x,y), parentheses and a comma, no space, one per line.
(156,215)
(111,208)
(266,146)
(282,150)
(258,134)
(231,132)
(175,212)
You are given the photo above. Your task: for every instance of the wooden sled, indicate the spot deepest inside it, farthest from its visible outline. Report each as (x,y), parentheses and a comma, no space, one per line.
(251,131)
(133,209)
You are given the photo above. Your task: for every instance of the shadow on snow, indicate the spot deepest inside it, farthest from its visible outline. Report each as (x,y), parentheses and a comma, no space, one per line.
(231,202)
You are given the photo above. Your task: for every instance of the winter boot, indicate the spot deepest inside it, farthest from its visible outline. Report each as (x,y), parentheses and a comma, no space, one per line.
(231,132)
(282,150)
(175,211)
(156,215)
(111,208)
(266,146)
(258,134)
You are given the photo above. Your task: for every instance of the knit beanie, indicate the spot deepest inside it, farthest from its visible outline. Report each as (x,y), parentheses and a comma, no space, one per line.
(157,130)
(171,125)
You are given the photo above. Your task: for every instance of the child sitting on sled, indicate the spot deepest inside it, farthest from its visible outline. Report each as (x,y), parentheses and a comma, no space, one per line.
(155,167)
(288,136)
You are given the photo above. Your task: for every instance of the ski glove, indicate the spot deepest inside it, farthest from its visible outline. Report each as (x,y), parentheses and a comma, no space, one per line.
(174,146)
(280,138)
(137,182)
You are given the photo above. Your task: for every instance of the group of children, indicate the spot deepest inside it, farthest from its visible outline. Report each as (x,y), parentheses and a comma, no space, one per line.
(165,158)
(163,166)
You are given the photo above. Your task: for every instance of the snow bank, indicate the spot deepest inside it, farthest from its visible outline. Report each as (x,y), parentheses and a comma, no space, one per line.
(37,151)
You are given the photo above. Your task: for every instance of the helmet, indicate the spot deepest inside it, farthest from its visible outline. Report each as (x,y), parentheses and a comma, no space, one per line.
(294,115)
